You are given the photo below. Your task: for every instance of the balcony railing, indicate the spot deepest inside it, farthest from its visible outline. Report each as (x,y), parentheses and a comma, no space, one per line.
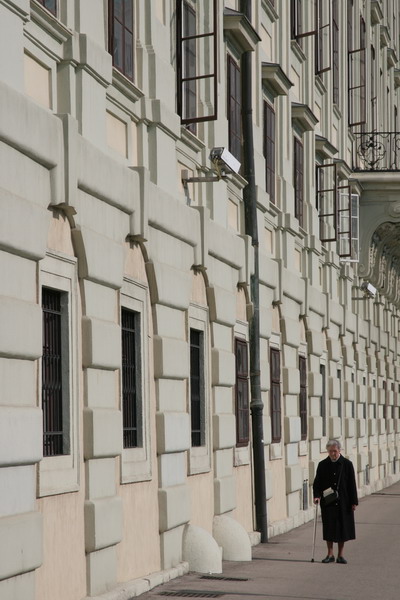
(376,151)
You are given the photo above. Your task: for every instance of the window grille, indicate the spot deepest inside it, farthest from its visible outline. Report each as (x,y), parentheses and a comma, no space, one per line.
(131,379)
(52,374)
(303,396)
(242,392)
(234,93)
(298,180)
(276,410)
(196,89)
(269,150)
(121,36)
(51,5)
(197,407)
(323,399)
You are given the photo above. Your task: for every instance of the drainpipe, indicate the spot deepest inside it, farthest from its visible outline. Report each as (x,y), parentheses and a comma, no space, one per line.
(250,206)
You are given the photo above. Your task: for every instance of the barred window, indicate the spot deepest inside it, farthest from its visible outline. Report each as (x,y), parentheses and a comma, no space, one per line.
(197,407)
(131,379)
(242,392)
(298,179)
(303,396)
(335,50)
(121,36)
(54,373)
(276,410)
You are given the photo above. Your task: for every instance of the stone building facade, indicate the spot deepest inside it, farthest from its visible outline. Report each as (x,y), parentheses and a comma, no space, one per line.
(128,273)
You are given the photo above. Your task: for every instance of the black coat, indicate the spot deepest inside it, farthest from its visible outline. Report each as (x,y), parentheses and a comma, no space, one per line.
(337,518)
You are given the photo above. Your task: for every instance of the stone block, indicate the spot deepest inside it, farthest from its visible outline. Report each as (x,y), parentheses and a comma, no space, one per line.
(335,427)
(173,432)
(174,507)
(17,382)
(292,426)
(101,344)
(22,481)
(21,435)
(101,302)
(334,388)
(18,587)
(22,280)
(224,495)
(334,350)
(171,358)
(169,286)
(171,395)
(382,456)
(290,329)
(232,538)
(171,547)
(172,469)
(101,570)
(20,544)
(349,427)
(294,478)
(222,399)
(103,523)
(224,431)
(223,368)
(16,319)
(361,427)
(314,384)
(293,504)
(100,388)
(100,478)
(315,342)
(170,322)
(102,429)
(201,550)
(24,226)
(292,454)
(223,463)
(222,304)
(315,428)
(349,392)
(372,428)
(290,380)
(101,259)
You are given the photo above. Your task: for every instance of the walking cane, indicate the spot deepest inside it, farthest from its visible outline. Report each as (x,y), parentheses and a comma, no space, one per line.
(315,530)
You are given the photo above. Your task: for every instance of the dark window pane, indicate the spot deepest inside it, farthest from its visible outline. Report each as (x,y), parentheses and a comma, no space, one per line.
(121,39)
(197,396)
(52,376)
(242,393)
(275,404)
(131,389)
(118,48)
(51,5)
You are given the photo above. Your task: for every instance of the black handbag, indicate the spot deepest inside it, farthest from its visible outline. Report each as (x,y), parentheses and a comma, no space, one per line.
(330,495)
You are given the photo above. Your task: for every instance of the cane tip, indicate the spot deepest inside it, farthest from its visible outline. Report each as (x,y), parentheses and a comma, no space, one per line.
(312,560)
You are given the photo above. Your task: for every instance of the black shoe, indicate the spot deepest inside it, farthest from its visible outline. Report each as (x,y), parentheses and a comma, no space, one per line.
(341,560)
(328,559)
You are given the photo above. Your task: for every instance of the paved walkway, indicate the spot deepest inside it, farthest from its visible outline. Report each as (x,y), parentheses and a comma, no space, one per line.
(282,568)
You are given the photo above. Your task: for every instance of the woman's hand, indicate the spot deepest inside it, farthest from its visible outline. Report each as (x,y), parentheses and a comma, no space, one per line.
(354,506)
(316,500)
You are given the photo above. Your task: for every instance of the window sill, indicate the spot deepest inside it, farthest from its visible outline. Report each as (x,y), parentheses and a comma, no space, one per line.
(126,86)
(47,21)
(270,10)
(191,140)
(298,51)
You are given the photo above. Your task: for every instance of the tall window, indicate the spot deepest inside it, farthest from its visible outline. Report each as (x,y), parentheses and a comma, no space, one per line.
(131,379)
(357,73)
(339,376)
(298,177)
(51,5)
(196,37)
(242,392)
(269,150)
(303,396)
(54,373)
(335,51)
(275,371)
(197,407)
(296,20)
(120,35)
(323,399)
(234,109)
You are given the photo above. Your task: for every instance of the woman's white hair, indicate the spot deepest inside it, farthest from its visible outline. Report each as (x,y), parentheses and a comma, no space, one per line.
(334,442)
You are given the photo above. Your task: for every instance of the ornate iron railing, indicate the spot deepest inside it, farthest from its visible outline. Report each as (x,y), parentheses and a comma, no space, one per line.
(376,151)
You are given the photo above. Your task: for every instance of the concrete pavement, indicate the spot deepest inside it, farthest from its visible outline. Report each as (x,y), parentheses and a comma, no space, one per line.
(282,568)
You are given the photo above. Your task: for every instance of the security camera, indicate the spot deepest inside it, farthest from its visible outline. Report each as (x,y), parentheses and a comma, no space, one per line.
(368,289)
(224,160)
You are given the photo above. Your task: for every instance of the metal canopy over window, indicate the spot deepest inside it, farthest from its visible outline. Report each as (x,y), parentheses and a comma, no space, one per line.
(196,45)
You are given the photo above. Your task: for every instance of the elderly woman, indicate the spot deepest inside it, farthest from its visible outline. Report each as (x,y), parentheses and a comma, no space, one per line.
(336,474)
